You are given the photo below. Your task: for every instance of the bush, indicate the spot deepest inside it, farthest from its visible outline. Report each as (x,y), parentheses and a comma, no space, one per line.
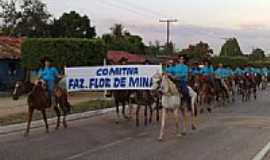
(63,51)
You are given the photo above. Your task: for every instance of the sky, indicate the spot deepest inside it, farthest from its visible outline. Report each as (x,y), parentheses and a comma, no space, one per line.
(198,20)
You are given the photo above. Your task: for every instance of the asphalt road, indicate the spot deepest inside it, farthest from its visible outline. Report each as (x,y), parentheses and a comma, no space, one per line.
(234,132)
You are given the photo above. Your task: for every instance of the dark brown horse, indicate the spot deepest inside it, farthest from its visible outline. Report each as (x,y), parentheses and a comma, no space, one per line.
(121,97)
(38,99)
(150,100)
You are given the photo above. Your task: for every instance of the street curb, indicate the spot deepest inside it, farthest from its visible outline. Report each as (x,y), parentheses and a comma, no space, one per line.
(38,124)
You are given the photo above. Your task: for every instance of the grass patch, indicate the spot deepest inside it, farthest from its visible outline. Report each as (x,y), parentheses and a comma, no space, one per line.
(78,108)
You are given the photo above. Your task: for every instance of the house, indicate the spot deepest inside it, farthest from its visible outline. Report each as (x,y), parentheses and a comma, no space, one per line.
(115,56)
(10,64)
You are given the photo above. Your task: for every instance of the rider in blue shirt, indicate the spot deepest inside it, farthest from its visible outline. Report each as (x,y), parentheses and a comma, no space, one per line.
(195,69)
(49,75)
(208,69)
(238,71)
(180,71)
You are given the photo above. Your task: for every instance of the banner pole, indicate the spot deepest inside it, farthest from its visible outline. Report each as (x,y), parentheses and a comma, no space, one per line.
(104,64)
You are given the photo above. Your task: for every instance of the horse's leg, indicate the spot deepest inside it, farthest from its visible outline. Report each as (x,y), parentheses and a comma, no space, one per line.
(130,110)
(184,121)
(45,120)
(58,114)
(163,119)
(193,116)
(30,115)
(124,110)
(176,115)
(145,115)
(65,112)
(157,110)
(117,112)
(64,121)
(151,112)
(138,115)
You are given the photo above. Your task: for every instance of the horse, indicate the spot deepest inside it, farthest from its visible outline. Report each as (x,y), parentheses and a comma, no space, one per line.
(38,99)
(204,90)
(147,98)
(121,97)
(172,100)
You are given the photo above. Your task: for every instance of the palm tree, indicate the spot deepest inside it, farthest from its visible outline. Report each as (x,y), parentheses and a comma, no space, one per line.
(117,30)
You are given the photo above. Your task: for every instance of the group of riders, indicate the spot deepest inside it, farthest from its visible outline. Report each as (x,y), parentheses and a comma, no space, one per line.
(245,77)
(182,72)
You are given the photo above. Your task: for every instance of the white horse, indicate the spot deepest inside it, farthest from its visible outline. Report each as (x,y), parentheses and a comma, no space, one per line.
(171,101)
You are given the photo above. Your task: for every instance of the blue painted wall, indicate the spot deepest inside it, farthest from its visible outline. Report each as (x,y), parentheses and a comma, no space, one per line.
(10,72)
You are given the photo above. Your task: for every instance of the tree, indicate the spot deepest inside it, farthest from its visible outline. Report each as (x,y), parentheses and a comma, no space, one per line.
(72,25)
(231,48)
(9,15)
(198,51)
(118,30)
(257,54)
(28,18)
(121,39)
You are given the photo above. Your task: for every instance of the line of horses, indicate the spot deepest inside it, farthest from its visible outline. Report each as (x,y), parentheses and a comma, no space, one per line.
(164,97)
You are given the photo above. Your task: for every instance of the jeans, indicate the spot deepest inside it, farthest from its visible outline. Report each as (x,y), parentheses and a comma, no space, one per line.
(184,88)
(50,88)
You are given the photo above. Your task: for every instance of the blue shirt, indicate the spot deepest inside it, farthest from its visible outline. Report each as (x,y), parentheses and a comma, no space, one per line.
(48,74)
(195,70)
(206,70)
(179,70)
(238,71)
(222,73)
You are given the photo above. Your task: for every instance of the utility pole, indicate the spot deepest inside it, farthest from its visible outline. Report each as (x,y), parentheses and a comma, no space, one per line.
(168,21)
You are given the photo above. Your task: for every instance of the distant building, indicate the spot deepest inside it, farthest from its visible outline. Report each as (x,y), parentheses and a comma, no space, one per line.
(10,64)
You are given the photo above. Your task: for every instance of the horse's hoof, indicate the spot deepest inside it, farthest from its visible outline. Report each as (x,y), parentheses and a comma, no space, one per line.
(183,133)
(209,110)
(26,134)
(193,127)
(160,139)
(116,122)
(65,125)
(179,135)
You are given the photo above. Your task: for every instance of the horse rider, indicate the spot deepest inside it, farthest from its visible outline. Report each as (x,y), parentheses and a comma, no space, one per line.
(208,72)
(195,69)
(49,75)
(222,74)
(180,73)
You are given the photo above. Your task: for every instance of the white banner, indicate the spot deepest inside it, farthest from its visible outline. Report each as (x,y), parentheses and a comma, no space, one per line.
(134,77)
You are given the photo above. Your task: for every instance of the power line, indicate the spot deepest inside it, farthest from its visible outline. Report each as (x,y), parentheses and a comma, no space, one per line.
(114,5)
(141,8)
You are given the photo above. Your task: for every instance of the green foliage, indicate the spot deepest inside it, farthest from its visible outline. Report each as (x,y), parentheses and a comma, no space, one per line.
(198,51)
(24,18)
(257,54)
(120,39)
(231,48)
(72,25)
(70,52)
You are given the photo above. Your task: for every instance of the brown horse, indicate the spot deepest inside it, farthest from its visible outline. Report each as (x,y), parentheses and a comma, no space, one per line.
(148,99)
(121,97)
(38,99)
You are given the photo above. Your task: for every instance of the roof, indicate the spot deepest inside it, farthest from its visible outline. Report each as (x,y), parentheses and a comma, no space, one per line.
(115,56)
(10,48)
